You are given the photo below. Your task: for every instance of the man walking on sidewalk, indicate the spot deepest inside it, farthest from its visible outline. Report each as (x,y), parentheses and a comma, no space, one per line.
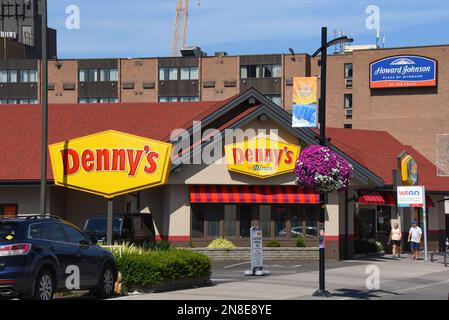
(414,237)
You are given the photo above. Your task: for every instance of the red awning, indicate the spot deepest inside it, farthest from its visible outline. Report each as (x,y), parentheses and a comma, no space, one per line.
(388,198)
(370,197)
(252,194)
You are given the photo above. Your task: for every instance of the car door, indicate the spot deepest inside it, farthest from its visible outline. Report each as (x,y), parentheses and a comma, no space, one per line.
(52,238)
(89,258)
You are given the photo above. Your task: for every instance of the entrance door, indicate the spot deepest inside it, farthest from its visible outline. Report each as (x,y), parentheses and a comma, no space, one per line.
(365,224)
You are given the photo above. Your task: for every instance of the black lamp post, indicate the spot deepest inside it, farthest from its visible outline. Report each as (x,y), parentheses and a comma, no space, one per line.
(44,103)
(322,292)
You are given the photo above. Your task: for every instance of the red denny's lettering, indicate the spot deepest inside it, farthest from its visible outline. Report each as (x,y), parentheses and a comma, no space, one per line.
(263,155)
(109,160)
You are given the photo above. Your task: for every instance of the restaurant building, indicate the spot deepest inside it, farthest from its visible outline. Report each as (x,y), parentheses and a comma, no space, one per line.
(201,202)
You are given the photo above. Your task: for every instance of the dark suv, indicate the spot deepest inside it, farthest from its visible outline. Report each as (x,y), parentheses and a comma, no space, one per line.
(133,227)
(43,255)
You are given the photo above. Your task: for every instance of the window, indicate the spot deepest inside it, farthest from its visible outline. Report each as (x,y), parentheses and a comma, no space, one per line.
(98,100)
(230,218)
(348,70)
(108,75)
(384,219)
(3,76)
(280,220)
(348,101)
(265,220)
(83,74)
(12,76)
(179,99)
(198,222)
(47,231)
(163,74)
(88,75)
(261,71)
(24,75)
(348,126)
(213,221)
(185,73)
(276,98)
(245,221)
(172,73)
(73,235)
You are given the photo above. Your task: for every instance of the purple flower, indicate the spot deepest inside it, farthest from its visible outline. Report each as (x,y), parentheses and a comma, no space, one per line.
(320,169)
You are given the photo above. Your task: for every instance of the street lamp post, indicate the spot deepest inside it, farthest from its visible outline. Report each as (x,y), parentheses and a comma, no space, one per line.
(44,103)
(322,292)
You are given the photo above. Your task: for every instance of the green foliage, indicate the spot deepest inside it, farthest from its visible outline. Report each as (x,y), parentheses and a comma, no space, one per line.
(158,245)
(274,244)
(153,267)
(221,244)
(301,241)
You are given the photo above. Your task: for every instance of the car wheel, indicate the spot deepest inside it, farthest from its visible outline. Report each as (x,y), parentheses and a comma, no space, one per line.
(106,283)
(44,286)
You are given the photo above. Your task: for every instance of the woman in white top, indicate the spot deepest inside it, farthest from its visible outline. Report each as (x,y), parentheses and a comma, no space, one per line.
(395,238)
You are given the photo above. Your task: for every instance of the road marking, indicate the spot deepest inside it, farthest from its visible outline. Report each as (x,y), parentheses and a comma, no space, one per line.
(236,265)
(225,280)
(297,266)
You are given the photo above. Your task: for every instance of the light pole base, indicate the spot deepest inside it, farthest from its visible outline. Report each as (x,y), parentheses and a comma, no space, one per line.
(322,293)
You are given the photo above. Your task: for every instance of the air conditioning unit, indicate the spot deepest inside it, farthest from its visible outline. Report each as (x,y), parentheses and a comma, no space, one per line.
(348,112)
(348,83)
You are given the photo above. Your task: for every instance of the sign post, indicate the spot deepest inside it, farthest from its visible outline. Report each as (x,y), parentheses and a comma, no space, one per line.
(256,254)
(412,197)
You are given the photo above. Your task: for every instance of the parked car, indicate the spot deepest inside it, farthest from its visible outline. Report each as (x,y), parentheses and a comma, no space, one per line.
(134,228)
(38,255)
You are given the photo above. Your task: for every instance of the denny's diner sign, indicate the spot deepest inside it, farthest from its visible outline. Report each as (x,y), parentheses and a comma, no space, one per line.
(110,163)
(261,158)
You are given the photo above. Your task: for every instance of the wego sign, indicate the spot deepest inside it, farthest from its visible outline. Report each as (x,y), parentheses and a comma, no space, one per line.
(110,163)
(261,158)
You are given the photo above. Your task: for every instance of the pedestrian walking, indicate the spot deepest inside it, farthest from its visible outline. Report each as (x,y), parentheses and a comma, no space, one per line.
(395,240)
(414,237)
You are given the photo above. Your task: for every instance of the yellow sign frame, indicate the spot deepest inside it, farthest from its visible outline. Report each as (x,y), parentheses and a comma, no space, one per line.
(110,163)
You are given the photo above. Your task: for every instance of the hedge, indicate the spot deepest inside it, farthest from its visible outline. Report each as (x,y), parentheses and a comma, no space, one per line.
(154,267)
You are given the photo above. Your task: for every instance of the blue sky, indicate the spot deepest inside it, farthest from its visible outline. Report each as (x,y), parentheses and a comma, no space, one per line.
(143,28)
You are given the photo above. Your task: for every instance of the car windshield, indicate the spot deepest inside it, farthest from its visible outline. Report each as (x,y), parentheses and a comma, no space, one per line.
(8,231)
(99,224)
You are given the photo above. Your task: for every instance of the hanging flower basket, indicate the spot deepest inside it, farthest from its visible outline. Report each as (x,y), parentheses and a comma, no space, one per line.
(321,170)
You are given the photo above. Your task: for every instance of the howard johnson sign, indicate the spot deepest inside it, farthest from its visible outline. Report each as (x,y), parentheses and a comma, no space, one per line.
(403,72)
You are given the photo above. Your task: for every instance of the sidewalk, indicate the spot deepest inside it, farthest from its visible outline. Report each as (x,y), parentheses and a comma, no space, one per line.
(398,277)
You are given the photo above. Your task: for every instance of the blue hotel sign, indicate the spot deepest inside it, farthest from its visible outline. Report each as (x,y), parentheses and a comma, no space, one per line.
(403,72)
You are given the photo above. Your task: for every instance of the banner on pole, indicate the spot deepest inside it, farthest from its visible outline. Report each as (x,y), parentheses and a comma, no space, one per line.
(305,106)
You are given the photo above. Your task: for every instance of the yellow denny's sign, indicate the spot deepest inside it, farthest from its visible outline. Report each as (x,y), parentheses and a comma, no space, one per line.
(110,163)
(261,158)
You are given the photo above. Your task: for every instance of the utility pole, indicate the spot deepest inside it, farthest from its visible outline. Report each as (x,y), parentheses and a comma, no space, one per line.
(44,103)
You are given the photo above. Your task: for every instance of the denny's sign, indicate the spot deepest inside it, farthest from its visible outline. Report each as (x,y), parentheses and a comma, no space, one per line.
(261,158)
(110,163)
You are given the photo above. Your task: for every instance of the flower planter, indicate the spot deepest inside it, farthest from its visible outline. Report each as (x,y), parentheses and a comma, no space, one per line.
(269,254)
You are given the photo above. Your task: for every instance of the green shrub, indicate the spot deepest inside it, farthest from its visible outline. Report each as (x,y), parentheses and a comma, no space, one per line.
(273,244)
(301,241)
(221,244)
(153,267)
(162,245)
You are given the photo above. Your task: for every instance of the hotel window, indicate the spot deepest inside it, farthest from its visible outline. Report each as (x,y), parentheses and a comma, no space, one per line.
(168,74)
(348,101)
(98,100)
(108,75)
(189,73)
(276,98)
(261,71)
(348,70)
(179,99)
(19,101)
(15,76)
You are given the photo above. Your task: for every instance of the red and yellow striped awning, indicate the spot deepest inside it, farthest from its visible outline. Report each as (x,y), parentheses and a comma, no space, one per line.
(252,194)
